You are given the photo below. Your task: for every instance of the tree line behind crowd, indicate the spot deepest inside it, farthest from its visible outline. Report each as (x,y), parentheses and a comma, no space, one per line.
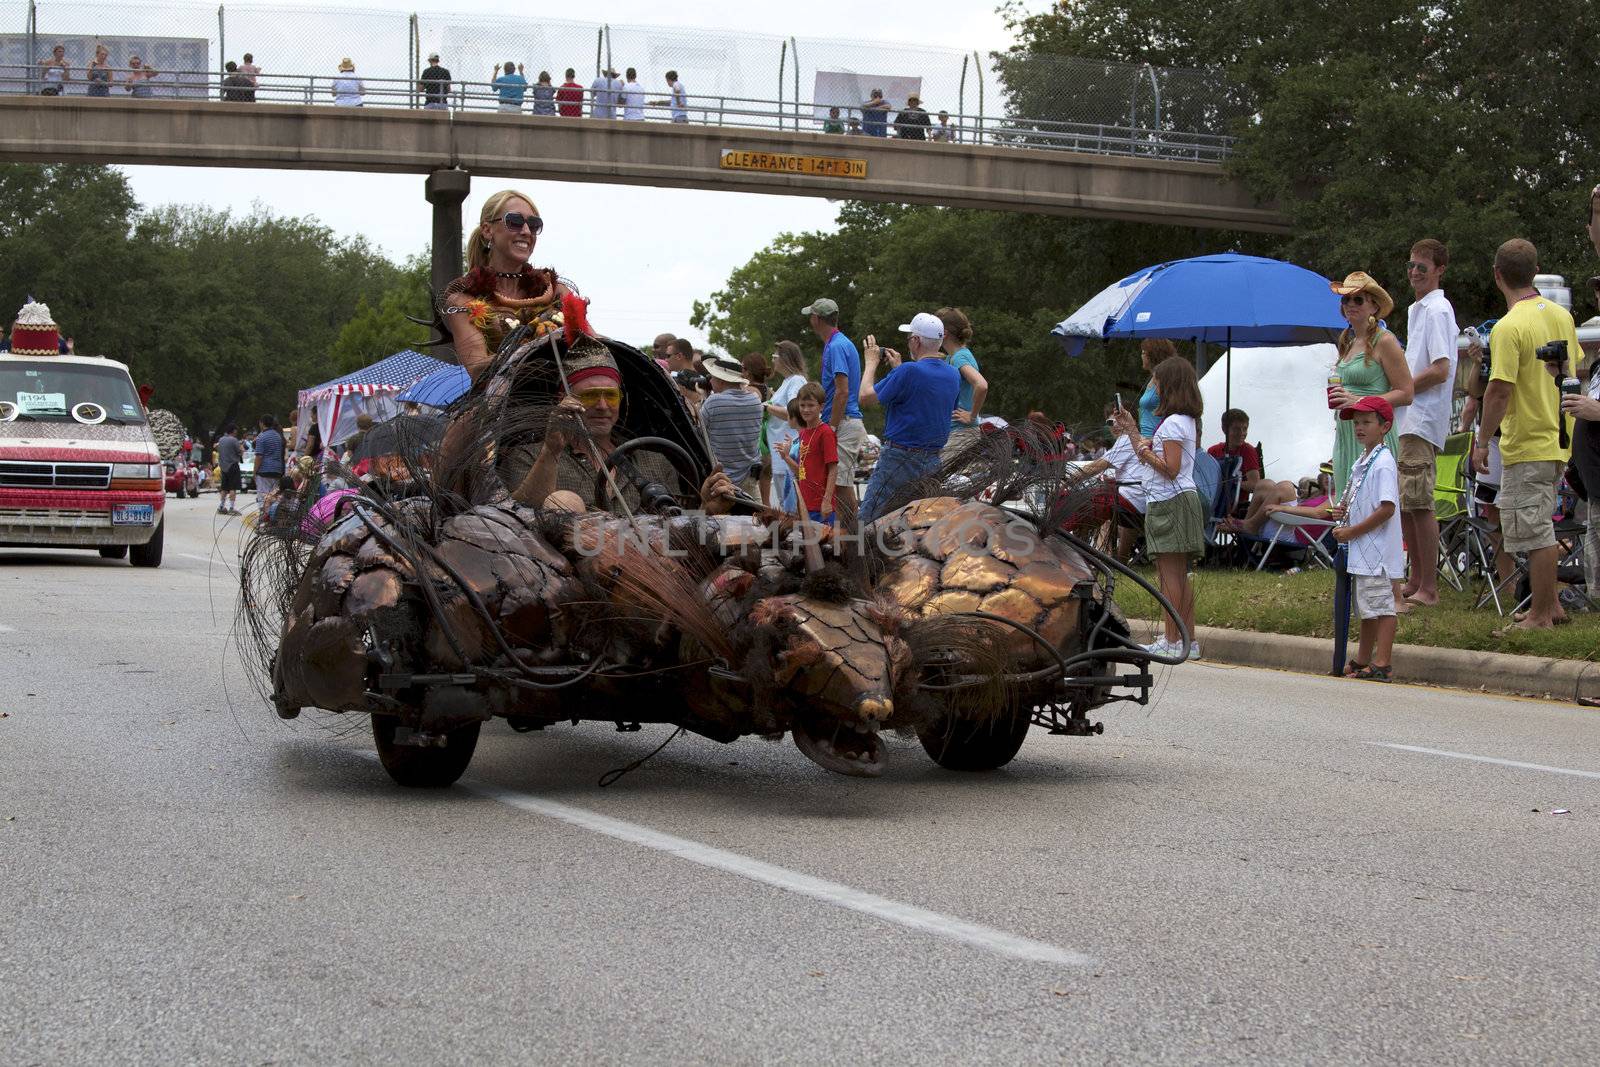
(1371,126)
(227,316)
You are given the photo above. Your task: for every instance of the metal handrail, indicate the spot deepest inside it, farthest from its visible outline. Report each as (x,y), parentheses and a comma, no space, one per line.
(726,111)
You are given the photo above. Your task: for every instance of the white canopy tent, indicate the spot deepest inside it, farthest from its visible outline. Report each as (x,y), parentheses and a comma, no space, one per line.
(1284,391)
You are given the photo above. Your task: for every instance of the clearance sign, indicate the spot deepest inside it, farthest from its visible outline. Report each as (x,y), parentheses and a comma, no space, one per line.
(783,163)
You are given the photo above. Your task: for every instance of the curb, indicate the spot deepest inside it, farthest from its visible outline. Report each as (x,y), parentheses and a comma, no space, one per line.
(1447,668)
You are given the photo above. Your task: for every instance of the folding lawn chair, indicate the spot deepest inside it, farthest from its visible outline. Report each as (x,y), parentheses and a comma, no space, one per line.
(1450,507)
(1295,533)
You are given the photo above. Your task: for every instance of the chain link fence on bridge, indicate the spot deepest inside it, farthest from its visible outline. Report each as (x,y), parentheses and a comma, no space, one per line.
(734,78)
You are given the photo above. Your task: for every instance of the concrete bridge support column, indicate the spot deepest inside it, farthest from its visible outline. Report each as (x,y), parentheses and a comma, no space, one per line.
(446,190)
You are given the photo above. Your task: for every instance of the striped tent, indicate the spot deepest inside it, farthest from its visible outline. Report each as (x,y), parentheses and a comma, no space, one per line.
(391,375)
(371,389)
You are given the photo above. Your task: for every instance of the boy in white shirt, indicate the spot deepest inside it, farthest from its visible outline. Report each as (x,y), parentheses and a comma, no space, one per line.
(1369,527)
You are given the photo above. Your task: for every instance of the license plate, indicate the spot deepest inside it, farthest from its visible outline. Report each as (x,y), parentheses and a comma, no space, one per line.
(133,514)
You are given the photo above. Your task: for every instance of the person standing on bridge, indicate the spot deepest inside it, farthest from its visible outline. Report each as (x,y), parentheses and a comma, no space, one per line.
(603,98)
(841,407)
(249,69)
(236,88)
(912,122)
(140,75)
(512,87)
(875,115)
(347,88)
(544,95)
(569,98)
(499,282)
(678,102)
(53,70)
(99,72)
(632,97)
(434,83)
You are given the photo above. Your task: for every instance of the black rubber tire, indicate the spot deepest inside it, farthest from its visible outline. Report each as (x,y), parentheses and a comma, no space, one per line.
(149,553)
(424,768)
(968,746)
(113,551)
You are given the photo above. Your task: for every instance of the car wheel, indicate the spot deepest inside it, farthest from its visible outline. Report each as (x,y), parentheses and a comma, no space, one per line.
(113,551)
(965,745)
(149,553)
(415,767)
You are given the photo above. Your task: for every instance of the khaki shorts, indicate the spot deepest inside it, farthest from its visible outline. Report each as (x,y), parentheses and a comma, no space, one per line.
(852,436)
(1419,468)
(1527,504)
(1373,596)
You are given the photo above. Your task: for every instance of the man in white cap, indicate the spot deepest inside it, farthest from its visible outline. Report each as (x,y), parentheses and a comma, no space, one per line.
(731,417)
(435,85)
(917,401)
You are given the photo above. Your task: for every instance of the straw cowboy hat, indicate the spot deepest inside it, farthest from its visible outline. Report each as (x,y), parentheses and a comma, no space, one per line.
(725,370)
(1362,282)
(346,64)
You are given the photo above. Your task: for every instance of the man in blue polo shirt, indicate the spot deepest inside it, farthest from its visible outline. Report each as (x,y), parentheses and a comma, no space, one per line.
(841,405)
(269,459)
(917,401)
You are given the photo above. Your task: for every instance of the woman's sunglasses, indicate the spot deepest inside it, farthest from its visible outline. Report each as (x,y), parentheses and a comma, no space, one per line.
(516,220)
(1352,298)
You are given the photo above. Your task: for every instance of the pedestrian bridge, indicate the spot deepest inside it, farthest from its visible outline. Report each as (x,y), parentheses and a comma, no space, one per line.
(205,133)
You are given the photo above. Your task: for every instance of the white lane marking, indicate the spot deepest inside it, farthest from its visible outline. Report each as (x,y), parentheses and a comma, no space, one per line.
(4,629)
(194,556)
(842,896)
(1488,759)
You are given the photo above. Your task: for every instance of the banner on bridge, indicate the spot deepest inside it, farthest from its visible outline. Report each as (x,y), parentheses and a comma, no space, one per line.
(786,163)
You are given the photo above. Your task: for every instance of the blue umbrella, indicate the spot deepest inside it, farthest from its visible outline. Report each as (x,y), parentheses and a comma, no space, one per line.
(439,389)
(1227,299)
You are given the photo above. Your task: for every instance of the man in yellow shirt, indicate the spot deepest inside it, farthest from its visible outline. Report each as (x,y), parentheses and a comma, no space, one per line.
(1523,401)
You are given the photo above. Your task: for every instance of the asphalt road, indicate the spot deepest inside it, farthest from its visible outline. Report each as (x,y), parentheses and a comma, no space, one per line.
(1239,873)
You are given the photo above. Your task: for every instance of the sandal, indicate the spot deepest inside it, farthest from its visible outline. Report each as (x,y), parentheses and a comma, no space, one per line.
(1373,673)
(1351,667)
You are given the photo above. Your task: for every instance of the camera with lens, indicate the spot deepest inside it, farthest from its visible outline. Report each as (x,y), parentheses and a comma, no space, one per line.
(1555,352)
(691,379)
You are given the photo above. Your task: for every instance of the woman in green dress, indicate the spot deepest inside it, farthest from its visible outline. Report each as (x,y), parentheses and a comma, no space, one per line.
(1371,363)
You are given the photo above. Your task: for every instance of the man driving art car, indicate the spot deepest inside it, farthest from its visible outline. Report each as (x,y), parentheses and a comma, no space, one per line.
(560,471)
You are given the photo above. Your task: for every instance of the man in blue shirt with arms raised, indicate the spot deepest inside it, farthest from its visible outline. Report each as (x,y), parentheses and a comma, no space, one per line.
(841,406)
(917,401)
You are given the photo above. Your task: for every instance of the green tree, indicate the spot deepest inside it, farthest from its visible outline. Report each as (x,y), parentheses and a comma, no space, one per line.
(382,329)
(225,316)
(1014,275)
(1375,125)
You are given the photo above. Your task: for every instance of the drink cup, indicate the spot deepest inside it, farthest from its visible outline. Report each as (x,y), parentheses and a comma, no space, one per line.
(1570,386)
(1334,382)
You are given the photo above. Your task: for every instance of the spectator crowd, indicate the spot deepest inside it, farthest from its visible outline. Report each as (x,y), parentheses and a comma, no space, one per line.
(608,96)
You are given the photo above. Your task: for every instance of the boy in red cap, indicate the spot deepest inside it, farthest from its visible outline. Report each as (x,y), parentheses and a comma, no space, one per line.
(1368,517)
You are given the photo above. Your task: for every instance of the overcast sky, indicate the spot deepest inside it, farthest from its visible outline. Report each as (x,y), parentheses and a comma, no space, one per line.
(642,255)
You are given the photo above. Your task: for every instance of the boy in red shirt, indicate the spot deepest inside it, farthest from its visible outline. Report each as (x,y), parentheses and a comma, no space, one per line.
(819,456)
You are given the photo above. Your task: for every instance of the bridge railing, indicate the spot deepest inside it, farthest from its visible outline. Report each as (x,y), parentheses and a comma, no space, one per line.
(737,112)
(737,78)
